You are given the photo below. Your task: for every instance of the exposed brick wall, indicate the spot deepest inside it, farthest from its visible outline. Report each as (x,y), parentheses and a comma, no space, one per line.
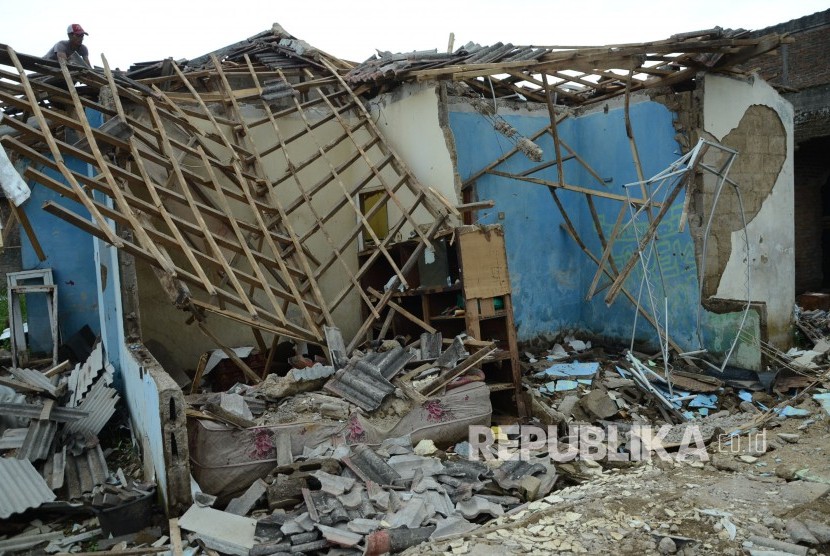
(804,63)
(760,138)
(802,68)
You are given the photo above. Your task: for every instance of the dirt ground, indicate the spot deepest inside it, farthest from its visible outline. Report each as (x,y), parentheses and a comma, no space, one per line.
(742,495)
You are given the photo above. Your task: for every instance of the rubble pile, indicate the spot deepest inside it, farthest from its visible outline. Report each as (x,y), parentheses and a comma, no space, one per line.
(53,462)
(396,450)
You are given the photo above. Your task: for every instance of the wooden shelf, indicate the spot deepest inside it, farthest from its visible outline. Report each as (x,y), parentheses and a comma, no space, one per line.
(475,262)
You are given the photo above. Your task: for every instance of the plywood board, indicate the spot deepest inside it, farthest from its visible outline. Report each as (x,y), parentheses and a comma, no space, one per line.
(483,263)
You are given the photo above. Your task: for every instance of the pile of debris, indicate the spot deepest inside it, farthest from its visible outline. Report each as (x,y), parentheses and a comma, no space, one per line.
(323,457)
(53,461)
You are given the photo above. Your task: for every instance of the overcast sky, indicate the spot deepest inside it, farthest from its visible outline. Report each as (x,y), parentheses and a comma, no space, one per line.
(129,32)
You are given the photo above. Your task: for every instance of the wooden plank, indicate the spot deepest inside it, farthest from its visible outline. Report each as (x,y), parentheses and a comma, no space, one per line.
(465,366)
(175,537)
(23,218)
(57,369)
(412,183)
(576,188)
(404,313)
(53,148)
(19,386)
(336,250)
(471,180)
(364,328)
(276,204)
(207,284)
(197,376)
(271,353)
(406,212)
(628,295)
(120,173)
(515,366)
(9,227)
(165,239)
(606,253)
(285,328)
(486,307)
(650,232)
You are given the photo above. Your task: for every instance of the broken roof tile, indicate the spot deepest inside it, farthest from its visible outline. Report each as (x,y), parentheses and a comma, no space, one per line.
(333,484)
(476,506)
(339,536)
(353,499)
(369,466)
(362,384)
(390,363)
(450,526)
(228,533)
(408,464)
(413,513)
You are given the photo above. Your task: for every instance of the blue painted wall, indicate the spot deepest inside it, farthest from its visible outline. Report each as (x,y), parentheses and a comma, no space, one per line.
(550,274)
(69,253)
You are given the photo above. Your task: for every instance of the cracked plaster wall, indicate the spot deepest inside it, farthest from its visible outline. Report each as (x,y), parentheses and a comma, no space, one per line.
(750,117)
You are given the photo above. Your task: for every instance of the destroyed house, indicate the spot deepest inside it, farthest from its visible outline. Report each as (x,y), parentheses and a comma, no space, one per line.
(269,191)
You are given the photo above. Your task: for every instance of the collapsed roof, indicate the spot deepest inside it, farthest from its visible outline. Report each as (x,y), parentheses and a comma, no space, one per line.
(208,184)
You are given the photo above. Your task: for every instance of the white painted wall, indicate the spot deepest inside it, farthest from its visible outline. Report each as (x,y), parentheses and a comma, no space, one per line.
(772,261)
(408,117)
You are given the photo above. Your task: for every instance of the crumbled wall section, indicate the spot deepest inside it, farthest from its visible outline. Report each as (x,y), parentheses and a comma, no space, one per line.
(760,140)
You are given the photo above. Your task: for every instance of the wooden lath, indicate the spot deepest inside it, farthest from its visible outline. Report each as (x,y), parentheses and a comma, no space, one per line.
(224,233)
(576,75)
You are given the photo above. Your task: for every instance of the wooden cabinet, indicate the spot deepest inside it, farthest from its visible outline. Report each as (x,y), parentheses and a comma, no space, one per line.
(462,285)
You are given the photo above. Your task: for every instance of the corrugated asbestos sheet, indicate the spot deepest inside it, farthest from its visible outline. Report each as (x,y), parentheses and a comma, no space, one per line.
(35,378)
(23,410)
(100,405)
(13,438)
(21,487)
(82,376)
(85,471)
(38,442)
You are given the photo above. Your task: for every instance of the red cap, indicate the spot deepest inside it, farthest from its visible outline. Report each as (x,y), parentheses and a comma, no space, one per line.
(76,29)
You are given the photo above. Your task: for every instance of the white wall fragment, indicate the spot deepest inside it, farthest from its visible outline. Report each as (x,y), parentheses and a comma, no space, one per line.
(11,181)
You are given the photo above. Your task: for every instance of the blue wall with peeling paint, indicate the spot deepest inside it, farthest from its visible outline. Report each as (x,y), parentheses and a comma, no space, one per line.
(69,253)
(550,274)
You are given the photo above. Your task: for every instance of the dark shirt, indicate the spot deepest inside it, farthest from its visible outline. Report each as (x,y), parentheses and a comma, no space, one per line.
(66,48)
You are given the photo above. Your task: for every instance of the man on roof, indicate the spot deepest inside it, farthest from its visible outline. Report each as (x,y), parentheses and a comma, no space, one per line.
(64,50)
